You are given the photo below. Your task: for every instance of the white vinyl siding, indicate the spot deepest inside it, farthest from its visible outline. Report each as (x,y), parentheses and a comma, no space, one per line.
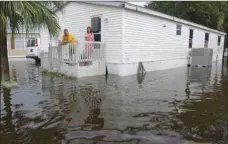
(133,36)
(76,16)
(20,42)
(45,38)
(150,38)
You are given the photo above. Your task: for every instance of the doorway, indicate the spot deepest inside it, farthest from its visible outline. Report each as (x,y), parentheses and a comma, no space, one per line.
(96,27)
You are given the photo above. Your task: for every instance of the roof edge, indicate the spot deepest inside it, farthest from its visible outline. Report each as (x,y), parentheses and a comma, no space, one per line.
(141,9)
(169,17)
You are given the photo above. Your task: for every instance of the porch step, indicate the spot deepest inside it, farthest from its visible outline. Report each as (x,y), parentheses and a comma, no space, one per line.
(80,63)
(85,63)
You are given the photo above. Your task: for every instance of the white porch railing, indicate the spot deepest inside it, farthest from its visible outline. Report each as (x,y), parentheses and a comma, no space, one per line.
(79,52)
(54,52)
(69,53)
(90,51)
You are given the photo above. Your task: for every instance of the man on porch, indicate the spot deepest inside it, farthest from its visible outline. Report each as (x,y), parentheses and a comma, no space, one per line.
(68,38)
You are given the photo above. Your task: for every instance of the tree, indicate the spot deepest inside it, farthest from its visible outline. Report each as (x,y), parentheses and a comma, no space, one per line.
(29,15)
(210,14)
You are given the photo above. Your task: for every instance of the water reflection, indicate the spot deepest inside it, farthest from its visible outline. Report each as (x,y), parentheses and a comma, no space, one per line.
(14,73)
(141,77)
(182,105)
(205,120)
(7,104)
(199,75)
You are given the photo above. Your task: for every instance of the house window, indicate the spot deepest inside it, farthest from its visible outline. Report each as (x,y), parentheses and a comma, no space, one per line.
(219,40)
(206,40)
(31,42)
(96,27)
(178,32)
(190,38)
(19,42)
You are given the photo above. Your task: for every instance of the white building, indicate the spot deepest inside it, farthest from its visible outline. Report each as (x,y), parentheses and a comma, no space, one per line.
(16,44)
(134,34)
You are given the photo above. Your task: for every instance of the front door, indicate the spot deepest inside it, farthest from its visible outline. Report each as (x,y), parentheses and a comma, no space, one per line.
(96,27)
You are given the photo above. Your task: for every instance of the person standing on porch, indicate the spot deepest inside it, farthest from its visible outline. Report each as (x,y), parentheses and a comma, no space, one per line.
(89,46)
(68,38)
(89,34)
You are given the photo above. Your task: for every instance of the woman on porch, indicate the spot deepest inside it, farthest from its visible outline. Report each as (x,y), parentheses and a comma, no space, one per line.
(89,46)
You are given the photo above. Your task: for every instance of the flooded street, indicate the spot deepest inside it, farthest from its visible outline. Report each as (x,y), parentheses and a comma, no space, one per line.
(176,106)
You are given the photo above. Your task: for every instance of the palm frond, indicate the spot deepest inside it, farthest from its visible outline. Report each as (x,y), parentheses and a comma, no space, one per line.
(31,15)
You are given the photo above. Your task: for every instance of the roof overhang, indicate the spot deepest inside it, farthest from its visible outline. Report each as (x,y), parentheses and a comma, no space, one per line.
(168,17)
(144,10)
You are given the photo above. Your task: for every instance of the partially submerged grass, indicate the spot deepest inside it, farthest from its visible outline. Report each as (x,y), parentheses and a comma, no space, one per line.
(54,74)
(9,84)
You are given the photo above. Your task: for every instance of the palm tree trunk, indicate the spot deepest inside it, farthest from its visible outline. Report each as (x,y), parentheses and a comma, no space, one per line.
(7,104)
(0,68)
(1,47)
(5,75)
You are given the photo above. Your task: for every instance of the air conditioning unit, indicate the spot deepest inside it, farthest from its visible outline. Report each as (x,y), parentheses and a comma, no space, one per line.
(201,57)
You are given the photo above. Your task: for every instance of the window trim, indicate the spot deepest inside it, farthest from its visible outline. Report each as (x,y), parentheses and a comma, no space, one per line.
(178,29)
(100,33)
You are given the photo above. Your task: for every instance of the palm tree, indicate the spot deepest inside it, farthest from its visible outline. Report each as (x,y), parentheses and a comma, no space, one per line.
(29,15)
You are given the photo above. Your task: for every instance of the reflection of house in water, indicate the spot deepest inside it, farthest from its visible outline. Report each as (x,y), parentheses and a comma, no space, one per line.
(87,107)
(8,110)
(13,73)
(129,112)
(93,101)
(199,75)
(86,96)
(225,67)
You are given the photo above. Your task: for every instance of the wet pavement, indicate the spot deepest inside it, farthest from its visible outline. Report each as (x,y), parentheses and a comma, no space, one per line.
(175,106)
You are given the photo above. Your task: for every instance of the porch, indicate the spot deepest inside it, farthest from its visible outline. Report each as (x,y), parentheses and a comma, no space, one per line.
(78,60)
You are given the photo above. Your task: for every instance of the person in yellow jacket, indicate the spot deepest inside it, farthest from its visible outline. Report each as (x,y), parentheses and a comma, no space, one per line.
(69,38)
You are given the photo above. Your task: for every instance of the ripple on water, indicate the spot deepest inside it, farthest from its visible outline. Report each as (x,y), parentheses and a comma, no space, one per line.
(181,105)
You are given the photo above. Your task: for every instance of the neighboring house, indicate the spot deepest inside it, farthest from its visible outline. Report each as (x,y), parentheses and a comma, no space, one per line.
(134,34)
(16,44)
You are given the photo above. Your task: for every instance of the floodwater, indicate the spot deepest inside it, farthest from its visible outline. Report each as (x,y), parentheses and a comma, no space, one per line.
(175,106)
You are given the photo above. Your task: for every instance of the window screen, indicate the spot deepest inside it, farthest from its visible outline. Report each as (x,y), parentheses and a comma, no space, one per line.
(178,32)
(31,43)
(96,24)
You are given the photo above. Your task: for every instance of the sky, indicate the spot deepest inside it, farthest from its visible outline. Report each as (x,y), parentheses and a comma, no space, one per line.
(138,3)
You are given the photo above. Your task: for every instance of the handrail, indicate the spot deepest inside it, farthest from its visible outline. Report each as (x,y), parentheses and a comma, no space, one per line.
(78,52)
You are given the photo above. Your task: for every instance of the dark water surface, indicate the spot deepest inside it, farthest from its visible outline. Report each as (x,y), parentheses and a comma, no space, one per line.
(175,106)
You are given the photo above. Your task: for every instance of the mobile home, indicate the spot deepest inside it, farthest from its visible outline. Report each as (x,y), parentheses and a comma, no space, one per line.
(134,34)
(17,43)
